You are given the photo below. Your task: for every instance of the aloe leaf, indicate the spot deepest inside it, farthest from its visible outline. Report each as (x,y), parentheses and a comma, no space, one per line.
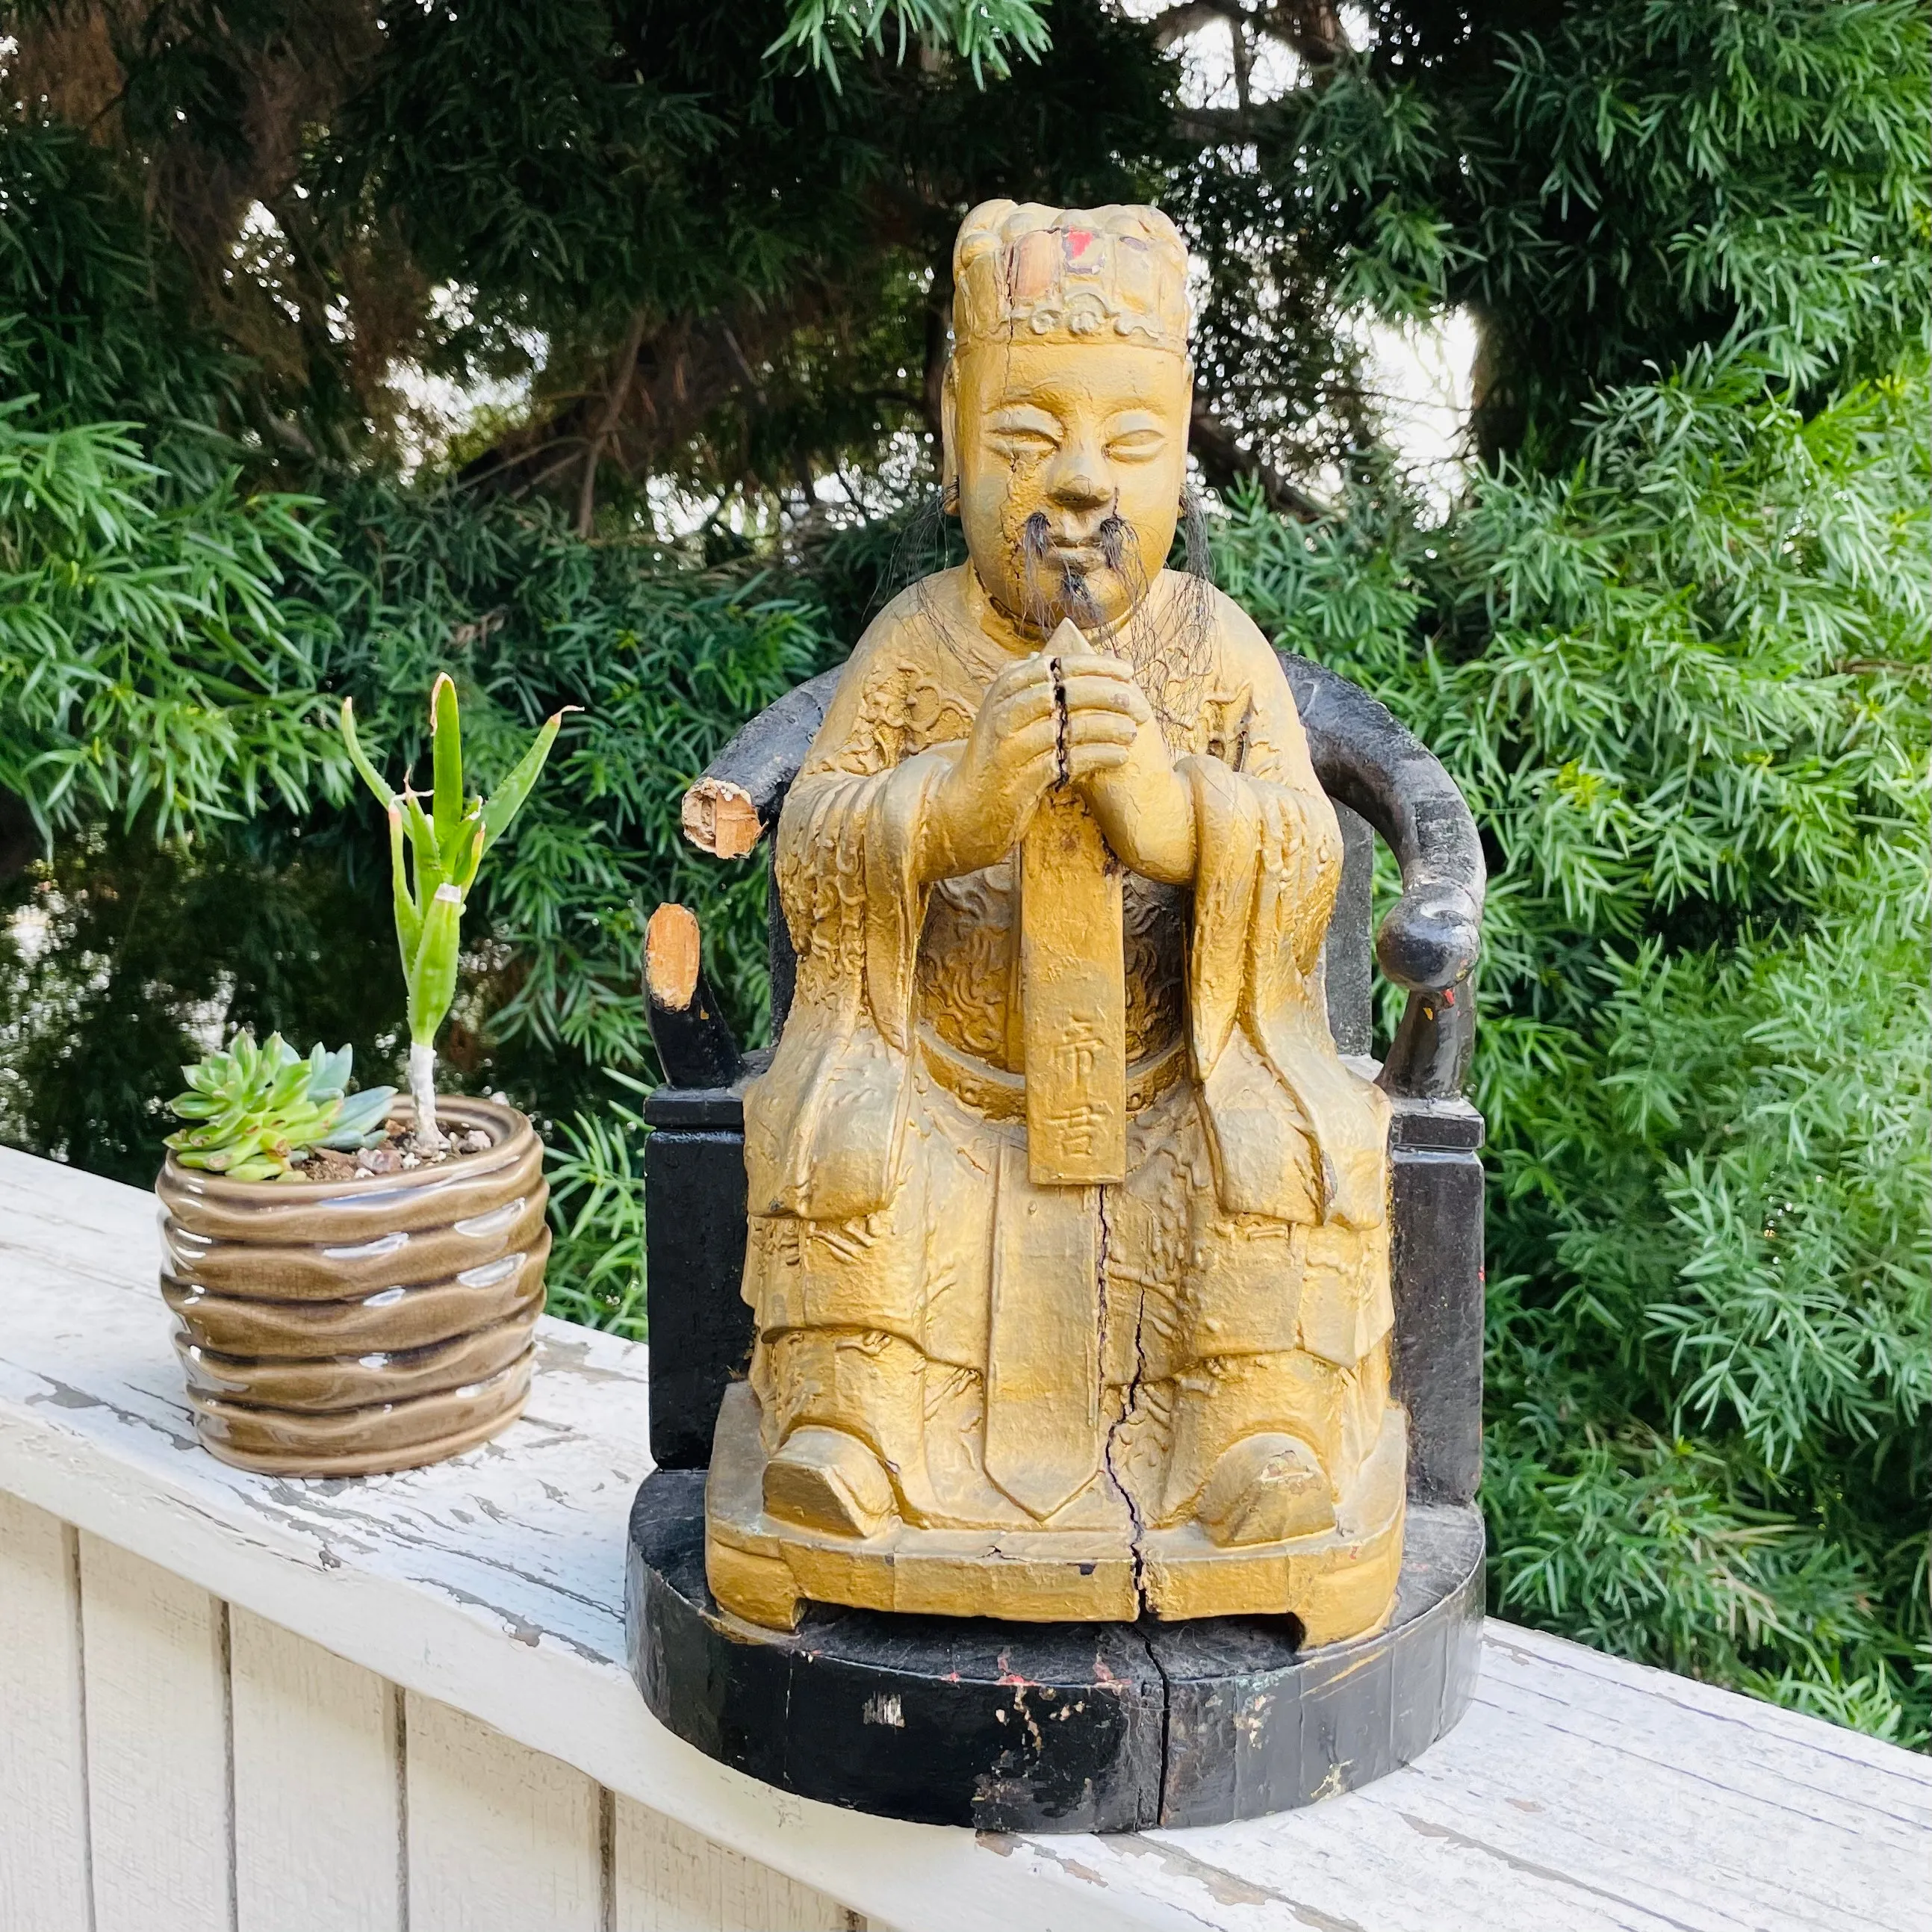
(431,874)
(510,795)
(433,974)
(446,751)
(409,921)
(359,758)
(463,873)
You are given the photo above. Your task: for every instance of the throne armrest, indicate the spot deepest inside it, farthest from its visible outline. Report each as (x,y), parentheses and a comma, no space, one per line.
(1364,759)
(738,796)
(1368,761)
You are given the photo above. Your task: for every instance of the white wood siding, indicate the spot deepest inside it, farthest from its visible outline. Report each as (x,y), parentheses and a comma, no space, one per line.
(168,1764)
(42,1749)
(669,1879)
(501,1837)
(318,1786)
(154,1684)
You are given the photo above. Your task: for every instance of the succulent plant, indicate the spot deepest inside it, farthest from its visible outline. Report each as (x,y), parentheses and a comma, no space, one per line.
(446,845)
(257,1110)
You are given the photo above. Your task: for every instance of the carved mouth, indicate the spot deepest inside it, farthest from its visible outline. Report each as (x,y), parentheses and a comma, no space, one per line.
(1104,550)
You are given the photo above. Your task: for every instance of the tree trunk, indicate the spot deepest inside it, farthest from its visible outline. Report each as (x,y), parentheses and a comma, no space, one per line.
(620,388)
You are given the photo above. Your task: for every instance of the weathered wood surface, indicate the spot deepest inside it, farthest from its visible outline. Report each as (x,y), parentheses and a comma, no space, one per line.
(154,1665)
(286,1789)
(1580,1795)
(318,1785)
(42,1754)
(501,1837)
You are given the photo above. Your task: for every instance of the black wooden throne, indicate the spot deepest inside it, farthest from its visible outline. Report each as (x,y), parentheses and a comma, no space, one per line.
(1168,1724)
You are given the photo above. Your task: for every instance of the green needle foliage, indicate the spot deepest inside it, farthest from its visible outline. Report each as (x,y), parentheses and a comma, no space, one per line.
(597,1196)
(980,31)
(1670,636)
(261,1109)
(1684,684)
(147,669)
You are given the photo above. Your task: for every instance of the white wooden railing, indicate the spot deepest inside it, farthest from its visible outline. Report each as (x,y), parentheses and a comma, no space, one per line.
(234,1703)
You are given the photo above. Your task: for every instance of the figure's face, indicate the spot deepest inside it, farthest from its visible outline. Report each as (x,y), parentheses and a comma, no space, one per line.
(1071,457)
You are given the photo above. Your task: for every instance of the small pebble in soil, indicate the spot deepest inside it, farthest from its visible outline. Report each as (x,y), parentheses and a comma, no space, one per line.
(399,1154)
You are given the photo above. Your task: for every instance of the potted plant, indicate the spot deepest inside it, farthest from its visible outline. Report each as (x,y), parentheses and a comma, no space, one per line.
(357,1275)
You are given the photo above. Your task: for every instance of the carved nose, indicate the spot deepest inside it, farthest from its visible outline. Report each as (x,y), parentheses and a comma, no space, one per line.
(1079,481)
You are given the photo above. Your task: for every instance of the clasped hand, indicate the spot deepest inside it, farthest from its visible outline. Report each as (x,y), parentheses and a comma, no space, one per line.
(1115,758)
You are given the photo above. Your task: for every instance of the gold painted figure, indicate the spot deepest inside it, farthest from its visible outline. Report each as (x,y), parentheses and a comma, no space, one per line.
(1069,1236)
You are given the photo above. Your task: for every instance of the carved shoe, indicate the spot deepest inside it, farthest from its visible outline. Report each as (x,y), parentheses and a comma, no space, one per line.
(1265,1490)
(824,1479)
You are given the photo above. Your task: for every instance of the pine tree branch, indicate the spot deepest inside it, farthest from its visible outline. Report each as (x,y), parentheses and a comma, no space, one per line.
(1177,22)
(1874,666)
(1224,462)
(1310,29)
(620,388)
(1215,126)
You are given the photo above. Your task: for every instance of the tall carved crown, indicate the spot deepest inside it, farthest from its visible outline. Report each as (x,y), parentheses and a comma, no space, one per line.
(1022,272)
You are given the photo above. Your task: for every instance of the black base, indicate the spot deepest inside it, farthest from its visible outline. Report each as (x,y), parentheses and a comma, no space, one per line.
(1050,1727)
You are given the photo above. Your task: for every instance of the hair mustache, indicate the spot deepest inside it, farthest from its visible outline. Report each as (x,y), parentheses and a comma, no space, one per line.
(1113,537)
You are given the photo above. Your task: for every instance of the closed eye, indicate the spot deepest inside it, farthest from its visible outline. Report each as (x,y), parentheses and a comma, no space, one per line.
(1022,431)
(1028,442)
(1137,446)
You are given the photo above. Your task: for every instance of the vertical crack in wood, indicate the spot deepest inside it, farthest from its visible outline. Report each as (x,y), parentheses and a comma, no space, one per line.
(399,1701)
(607,1859)
(1136,1551)
(70,1554)
(1166,1718)
(1115,1425)
(224,1637)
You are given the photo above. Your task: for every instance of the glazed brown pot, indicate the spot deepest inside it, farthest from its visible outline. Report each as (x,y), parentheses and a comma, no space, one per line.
(336,1328)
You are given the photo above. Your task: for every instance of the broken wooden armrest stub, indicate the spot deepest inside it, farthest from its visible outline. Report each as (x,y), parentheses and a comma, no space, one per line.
(738,796)
(720,818)
(694,1041)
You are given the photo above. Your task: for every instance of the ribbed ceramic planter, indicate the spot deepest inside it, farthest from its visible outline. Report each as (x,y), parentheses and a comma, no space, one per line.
(335,1328)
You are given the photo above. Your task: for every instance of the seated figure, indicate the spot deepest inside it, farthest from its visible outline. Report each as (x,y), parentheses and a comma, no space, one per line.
(1068,1243)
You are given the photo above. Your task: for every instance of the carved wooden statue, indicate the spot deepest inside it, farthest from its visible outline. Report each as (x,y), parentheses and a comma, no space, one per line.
(1068,1245)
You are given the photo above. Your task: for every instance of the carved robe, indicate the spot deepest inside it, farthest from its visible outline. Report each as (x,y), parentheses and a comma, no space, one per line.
(1020,1356)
